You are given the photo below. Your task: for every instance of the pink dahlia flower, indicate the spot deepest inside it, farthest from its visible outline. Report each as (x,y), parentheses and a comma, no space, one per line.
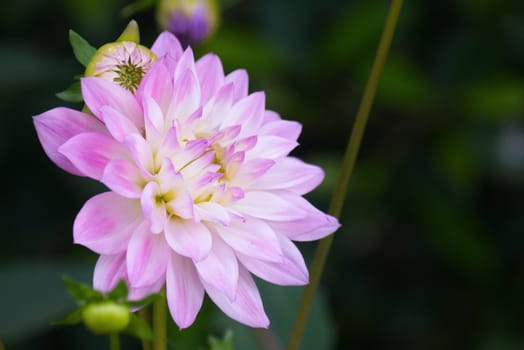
(202,192)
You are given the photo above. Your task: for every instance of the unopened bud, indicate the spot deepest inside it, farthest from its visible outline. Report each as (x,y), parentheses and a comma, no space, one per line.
(124,62)
(192,21)
(106,317)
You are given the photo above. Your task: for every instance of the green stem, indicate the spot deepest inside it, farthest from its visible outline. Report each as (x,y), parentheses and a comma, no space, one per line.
(114,342)
(348,163)
(144,314)
(159,323)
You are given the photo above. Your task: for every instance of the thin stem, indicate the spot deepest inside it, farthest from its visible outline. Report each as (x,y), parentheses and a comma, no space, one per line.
(159,323)
(266,339)
(114,342)
(348,163)
(145,315)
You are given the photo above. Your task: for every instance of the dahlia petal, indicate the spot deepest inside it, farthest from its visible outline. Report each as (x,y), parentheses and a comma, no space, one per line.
(290,271)
(147,256)
(154,116)
(311,228)
(247,308)
(265,205)
(118,124)
(252,238)
(219,105)
(182,205)
(185,63)
(141,152)
(91,151)
(272,147)
(315,225)
(168,177)
(240,81)
(184,290)
(290,174)
(247,112)
(192,150)
(154,211)
(271,116)
(213,212)
(109,270)
(170,145)
(253,169)
(106,222)
(99,92)
(186,97)
(210,74)
(220,269)
(286,129)
(193,169)
(137,293)
(167,44)
(57,126)
(123,177)
(155,85)
(188,238)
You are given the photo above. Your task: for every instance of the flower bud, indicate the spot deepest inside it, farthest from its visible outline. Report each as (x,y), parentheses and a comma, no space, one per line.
(124,62)
(192,21)
(106,317)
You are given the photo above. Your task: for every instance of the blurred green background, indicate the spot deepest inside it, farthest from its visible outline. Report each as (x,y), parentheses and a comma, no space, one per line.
(430,252)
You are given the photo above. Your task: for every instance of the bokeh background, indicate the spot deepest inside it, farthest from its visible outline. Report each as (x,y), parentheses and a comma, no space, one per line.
(430,255)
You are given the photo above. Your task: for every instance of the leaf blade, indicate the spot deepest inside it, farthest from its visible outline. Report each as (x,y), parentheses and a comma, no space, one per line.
(83,51)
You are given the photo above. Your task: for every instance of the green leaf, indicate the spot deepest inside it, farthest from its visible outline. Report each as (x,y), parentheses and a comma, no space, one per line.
(71,94)
(81,292)
(119,293)
(73,318)
(143,302)
(226,343)
(139,328)
(83,51)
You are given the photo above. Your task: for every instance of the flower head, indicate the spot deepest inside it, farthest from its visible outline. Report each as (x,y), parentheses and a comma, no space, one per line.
(202,190)
(192,21)
(123,62)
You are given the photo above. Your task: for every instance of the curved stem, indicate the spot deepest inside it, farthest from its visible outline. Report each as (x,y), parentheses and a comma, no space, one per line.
(160,323)
(348,163)
(144,314)
(114,342)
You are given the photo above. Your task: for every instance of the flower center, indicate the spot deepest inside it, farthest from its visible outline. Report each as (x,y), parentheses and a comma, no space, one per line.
(129,75)
(124,63)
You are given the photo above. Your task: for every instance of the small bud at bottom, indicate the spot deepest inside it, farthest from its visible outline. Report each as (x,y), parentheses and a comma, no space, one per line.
(106,317)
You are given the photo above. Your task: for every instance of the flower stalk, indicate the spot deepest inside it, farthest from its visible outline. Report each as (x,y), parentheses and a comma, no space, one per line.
(144,313)
(348,163)
(160,323)
(114,342)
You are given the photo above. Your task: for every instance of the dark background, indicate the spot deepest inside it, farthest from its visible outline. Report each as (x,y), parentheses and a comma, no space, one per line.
(430,252)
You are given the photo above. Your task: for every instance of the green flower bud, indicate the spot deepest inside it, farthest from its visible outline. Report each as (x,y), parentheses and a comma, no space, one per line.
(124,62)
(106,317)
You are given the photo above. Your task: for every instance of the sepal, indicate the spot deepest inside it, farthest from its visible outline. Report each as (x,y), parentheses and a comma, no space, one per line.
(83,51)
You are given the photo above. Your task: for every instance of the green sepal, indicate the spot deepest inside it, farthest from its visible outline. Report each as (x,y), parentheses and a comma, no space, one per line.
(81,292)
(83,51)
(139,328)
(74,317)
(119,293)
(72,94)
(226,343)
(144,301)
(131,33)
